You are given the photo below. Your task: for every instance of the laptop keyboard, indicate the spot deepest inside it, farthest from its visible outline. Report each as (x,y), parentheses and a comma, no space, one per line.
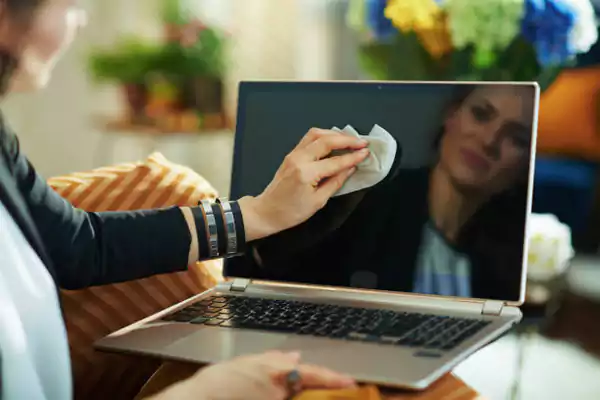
(339,322)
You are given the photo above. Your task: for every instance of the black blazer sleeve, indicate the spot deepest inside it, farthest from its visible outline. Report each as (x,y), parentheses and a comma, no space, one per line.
(88,249)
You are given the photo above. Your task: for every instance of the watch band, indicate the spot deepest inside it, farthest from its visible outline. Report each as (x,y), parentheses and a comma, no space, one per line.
(239,226)
(232,239)
(213,234)
(221,228)
(201,230)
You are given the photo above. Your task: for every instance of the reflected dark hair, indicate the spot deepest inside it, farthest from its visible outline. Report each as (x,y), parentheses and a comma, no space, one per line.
(518,193)
(460,94)
(22,12)
(498,227)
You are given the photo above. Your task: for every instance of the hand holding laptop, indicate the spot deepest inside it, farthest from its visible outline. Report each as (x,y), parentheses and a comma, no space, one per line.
(303,184)
(260,377)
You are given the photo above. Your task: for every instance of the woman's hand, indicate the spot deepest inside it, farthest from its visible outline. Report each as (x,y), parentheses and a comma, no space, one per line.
(260,377)
(304,183)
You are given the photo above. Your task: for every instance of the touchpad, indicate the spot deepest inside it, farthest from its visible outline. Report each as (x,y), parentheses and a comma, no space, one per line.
(212,344)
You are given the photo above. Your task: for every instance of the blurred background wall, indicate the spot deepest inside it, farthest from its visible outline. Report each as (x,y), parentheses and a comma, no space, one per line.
(270,39)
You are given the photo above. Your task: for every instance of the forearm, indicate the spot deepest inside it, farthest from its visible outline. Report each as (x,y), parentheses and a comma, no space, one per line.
(89,248)
(254,227)
(101,248)
(193,254)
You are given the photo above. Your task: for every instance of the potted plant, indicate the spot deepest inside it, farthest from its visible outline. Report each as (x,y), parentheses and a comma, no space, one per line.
(193,57)
(176,84)
(128,65)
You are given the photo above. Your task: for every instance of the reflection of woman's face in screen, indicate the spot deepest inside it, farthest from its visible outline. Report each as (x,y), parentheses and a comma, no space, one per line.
(486,140)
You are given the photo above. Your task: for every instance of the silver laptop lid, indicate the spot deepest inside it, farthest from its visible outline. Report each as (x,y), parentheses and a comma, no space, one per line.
(450,217)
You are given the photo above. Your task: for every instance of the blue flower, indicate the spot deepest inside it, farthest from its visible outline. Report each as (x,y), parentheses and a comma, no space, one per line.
(381,26)
(546,25)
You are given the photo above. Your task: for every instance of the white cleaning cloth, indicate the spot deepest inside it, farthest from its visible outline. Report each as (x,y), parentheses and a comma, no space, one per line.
(382,152)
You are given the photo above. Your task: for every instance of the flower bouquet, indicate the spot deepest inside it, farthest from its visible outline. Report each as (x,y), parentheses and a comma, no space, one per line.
(497,40)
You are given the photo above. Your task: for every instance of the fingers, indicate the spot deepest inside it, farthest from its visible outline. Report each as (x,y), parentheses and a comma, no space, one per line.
(292,357)
(332,166)
(278,363)
(324,145)
(314,377)
(311,376)
(312,135)
(332,185)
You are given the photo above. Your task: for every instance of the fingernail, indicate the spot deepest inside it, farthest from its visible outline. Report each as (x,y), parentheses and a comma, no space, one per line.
(294,354)
(364,151)
(347,380)
(351,170)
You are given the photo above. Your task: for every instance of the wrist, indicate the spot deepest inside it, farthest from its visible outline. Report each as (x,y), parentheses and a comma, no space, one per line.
(189,219)
(258,222)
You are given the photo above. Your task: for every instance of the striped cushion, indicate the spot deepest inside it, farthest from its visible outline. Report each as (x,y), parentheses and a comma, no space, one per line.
(95,312)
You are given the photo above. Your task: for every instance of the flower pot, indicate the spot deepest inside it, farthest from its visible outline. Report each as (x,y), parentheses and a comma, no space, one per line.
(136,97)
(203,94)
(171,33)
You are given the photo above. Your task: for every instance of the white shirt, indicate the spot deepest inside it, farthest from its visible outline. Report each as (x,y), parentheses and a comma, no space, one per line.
(441,269)
(34,352)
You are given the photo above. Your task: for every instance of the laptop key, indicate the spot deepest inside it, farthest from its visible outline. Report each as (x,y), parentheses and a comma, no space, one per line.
(305,318)
(178,318)
(277,328)
(469,331)
(199,320)
(231,323)
(219,300)
(390,339)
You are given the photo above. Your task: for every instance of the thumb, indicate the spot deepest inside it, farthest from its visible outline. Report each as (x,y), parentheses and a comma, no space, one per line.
(335,183)
(291,357)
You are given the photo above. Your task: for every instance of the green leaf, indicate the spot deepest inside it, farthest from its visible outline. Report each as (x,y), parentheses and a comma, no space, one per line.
(128,62)
(374,59)
(172,12)
(404,58)
(132,60)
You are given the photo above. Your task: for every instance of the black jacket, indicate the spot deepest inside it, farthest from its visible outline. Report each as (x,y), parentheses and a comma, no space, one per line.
(82,249)
(375,236)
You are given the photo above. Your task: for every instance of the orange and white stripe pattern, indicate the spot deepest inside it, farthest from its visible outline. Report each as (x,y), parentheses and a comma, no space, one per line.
(153,183)
(92,313)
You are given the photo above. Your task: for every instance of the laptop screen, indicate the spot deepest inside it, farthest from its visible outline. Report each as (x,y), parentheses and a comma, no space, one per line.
(448,218)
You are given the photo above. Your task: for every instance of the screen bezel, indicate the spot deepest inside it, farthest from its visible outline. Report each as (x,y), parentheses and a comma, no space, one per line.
(247,87)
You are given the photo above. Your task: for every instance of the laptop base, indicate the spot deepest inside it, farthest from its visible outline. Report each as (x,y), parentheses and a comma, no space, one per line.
(388,365)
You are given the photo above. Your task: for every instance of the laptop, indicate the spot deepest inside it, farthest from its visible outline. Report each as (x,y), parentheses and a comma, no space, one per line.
(394,284)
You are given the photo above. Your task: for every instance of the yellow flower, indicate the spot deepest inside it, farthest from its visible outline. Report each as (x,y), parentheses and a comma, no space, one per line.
(437,39)
(426,19)
(413,15)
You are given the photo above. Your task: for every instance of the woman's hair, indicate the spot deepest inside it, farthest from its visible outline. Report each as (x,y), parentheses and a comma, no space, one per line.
(498,227)
(459,95)
(21,13)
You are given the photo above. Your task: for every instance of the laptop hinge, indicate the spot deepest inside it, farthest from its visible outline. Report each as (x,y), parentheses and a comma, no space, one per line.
(492,307)
(239,285)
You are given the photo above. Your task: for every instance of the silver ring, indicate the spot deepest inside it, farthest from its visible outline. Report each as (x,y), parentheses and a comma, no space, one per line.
(294,382)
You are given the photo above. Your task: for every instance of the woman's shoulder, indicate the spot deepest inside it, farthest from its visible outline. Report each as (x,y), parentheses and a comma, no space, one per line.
(9,143)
